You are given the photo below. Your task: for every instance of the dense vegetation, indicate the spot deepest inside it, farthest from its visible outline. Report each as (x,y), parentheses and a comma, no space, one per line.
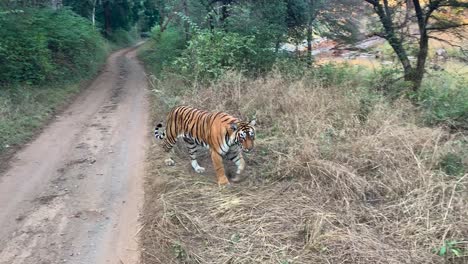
(352,164)
(245,36)
(47,49)
(46,45)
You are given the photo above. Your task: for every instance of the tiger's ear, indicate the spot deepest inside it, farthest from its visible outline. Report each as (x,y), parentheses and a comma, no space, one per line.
(253,122)
(233,126)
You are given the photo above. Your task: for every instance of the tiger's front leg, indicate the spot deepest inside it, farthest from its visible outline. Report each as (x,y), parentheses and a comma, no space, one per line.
(219,168)
(238,159)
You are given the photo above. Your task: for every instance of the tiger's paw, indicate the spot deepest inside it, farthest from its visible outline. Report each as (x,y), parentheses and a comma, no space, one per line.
(236,178)
(199,169)
(224,182)
(169,162)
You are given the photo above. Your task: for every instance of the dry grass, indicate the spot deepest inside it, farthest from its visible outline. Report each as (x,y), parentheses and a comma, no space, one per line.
(332,180)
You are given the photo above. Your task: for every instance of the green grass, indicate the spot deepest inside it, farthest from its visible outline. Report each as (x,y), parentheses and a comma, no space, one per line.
(25,109)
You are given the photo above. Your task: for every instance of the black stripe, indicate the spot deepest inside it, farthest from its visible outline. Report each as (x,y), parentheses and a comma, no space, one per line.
(225,119)
(187,119)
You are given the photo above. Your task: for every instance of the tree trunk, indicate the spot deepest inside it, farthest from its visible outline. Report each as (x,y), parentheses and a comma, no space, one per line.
(56,4)
(210,22)
(277,45)
(423,46)
(107,18)
(309,44)
(93,14)
(224,13)
(186,24)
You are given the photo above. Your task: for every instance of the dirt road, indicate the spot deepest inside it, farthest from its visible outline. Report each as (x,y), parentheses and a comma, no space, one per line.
(74,194)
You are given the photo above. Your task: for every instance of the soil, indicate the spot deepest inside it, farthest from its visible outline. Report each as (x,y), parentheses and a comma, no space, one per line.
(75,193)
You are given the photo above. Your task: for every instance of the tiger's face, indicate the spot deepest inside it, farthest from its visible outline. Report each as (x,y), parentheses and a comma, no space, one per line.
(245,135)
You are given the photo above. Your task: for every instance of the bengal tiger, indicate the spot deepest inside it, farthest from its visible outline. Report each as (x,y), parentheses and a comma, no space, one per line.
(224,135)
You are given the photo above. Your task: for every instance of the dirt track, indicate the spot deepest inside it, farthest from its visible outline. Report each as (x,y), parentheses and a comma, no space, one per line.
(74,194)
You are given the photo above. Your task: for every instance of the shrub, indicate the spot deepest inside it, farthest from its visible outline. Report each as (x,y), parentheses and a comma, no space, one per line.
(123,38)
(331,74)
(24,55)
(452,164)
(210,54)
(388,81)
(163,49)
(25,109)
(39,45)
(321,186)
(442,98)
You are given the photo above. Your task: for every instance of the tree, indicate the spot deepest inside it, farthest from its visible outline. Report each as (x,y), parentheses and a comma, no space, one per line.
(149,16)
(313,10)
(397,18)
(306,17)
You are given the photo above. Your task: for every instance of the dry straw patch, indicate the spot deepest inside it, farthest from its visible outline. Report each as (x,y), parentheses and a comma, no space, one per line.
(329,182)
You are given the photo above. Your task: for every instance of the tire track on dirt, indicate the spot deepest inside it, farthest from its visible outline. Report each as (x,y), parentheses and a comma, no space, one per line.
(74,194)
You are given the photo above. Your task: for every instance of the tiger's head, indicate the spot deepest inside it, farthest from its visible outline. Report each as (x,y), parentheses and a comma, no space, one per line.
(244,134)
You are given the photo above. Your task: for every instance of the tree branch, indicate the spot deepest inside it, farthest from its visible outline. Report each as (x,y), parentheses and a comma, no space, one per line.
(454,3)
(433,5)
(445,41)
(448,26)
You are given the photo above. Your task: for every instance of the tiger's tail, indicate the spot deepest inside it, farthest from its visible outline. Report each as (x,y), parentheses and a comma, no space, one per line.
(159,131)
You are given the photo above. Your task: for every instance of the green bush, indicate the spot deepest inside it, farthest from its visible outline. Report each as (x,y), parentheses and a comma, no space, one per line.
(123,38)
(24,109)
(38,45)
(388,81)
(210,54)
(452,164)
(443,98)
(331,74)
(163,49)
(24,55)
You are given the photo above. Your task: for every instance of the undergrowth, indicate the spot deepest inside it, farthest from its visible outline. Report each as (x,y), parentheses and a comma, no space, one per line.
(349,166)
(44,56)
(43,45)
(340,174)
(23,111)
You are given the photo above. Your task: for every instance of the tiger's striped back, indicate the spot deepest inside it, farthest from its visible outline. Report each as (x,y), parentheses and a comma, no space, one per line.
(203,127)
(219,131)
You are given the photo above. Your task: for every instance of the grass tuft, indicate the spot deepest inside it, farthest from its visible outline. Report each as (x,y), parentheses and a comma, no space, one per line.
(339,175)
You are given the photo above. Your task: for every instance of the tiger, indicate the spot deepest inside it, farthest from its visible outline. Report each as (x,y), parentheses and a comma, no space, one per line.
(223,135)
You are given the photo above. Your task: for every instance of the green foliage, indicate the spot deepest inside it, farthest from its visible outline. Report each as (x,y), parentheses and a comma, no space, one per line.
(264,19)
(388,82)
(24,55)
(443,100)
(122,14)
(290,67)
(210,55)
(163,49)
(24,109)
(43,45)
(452,164)
(123,38)
(337,74)
(149,17)
(179,252)
(77,49)
(450,248)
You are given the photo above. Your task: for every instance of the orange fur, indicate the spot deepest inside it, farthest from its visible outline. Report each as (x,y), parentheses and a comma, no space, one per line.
(223,134)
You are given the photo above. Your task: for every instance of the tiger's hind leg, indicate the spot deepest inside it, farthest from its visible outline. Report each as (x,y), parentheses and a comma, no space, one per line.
(167,146)
(192,149)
